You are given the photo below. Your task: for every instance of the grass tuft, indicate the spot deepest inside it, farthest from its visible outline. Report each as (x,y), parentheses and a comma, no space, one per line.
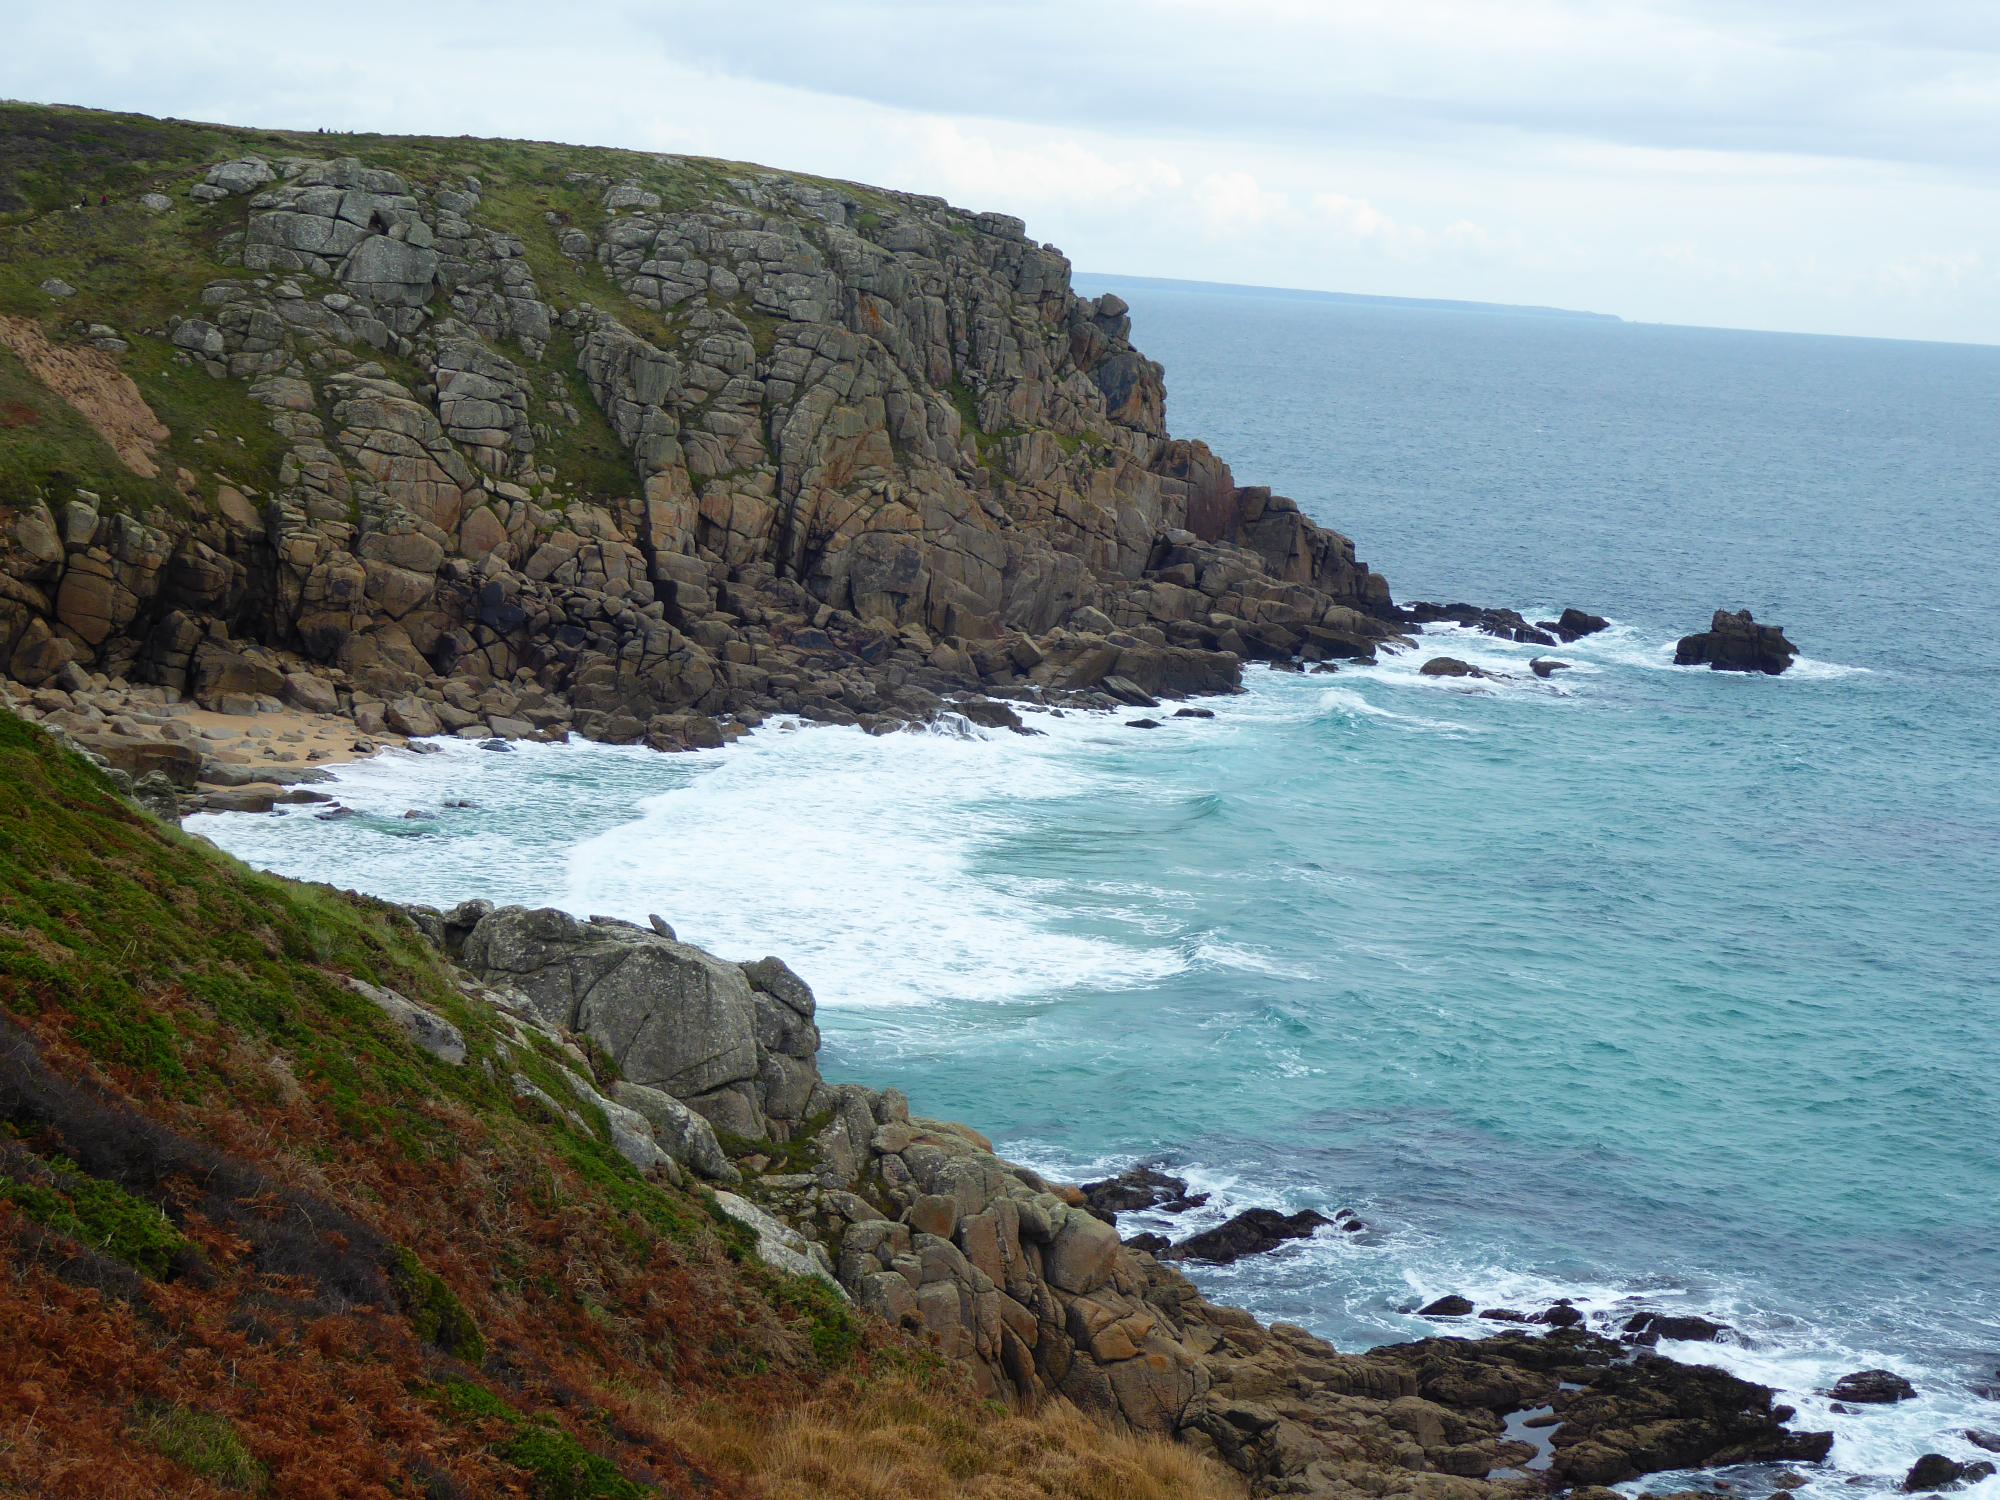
(201,1443)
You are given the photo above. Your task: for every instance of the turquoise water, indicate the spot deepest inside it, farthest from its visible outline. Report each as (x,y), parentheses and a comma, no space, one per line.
(1638,982)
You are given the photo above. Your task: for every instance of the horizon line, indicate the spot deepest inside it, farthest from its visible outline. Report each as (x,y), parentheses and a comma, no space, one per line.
(1530,309)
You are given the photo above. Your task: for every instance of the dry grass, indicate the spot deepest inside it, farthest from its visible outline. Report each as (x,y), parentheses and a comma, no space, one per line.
(891,1438)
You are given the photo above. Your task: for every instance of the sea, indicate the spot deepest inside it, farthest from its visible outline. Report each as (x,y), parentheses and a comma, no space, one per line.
(1641,986)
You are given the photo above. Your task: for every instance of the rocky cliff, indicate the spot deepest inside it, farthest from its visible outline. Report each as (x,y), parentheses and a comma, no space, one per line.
(490,437)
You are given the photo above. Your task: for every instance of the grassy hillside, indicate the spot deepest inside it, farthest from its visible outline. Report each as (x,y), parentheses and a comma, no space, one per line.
(252,1240)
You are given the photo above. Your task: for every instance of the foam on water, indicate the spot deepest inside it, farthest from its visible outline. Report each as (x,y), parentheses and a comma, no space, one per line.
(840,828)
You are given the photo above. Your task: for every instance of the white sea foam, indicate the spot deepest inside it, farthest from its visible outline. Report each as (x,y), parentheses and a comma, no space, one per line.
(802,842)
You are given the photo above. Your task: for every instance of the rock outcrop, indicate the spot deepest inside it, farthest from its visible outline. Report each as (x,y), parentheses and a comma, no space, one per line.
(1024,1283)
(851,453)
(1736,643)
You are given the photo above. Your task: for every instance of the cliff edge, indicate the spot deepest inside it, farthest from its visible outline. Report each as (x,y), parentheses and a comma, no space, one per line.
(502,437)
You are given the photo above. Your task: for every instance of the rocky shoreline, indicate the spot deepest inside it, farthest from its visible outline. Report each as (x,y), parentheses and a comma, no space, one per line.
(708,1069)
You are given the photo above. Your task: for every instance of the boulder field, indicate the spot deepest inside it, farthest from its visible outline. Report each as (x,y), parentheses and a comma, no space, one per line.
(709,1068)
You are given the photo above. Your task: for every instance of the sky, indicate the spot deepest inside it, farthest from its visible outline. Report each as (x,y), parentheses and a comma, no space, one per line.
(1826,166)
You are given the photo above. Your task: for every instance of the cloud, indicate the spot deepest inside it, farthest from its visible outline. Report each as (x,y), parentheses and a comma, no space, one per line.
(1839,79)
(975,168)
(1751,162)
(1234,203)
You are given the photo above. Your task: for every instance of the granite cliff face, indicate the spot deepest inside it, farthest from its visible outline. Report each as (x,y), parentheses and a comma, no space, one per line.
(623,443)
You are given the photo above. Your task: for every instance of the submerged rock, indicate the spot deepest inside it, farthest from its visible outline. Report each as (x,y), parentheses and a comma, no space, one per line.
(1736,643)
(1547,666)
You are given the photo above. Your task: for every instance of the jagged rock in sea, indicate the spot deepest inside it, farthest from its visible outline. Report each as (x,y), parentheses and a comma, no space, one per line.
(1573,625)
(1507,624)
(1251,1232)
(1140,1187)
(1688,1327)
(1934,1471)
(1449,666)
(1736,643)
(1873,1388)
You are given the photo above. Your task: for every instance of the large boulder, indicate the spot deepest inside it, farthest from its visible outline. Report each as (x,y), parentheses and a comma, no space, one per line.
(1736,643)
(672,1017)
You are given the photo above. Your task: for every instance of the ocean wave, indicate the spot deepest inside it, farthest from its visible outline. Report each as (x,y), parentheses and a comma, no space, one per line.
(1350,704)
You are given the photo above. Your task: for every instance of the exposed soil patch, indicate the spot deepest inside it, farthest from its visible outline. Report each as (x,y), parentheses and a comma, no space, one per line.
(91,382)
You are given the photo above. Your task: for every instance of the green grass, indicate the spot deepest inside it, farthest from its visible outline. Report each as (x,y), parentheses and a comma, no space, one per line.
(558,1466)
(590,462)
(158,951)
(200,1443)
(98,1214)
(833,1329)
(561,1468)
(473,1403)
(438,1317)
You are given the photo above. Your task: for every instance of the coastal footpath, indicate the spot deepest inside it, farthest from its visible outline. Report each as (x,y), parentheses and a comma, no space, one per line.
(354,1199)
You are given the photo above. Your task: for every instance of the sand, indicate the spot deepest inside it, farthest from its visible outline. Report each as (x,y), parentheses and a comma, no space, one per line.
(287,742)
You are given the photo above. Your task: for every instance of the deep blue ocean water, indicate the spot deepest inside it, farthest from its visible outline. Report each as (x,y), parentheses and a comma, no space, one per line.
(1638,983)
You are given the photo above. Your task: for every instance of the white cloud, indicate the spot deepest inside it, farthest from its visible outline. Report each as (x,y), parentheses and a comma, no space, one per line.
(1749,162)
(1235,203)
(975,168)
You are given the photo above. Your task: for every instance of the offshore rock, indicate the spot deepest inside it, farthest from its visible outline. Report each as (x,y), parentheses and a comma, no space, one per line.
(1873,1388)
(1251,1232)
(1736,643)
